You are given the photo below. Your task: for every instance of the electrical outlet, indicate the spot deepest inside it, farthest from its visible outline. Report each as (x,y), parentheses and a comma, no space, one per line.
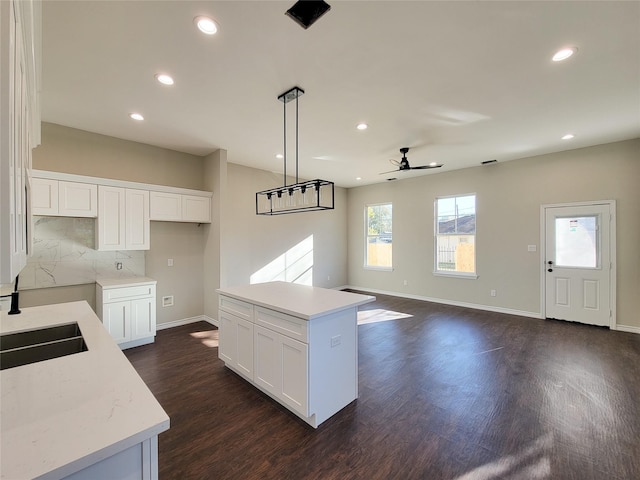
(170,262)
(531,248)
(493,293)
(406,283)
(167,301)
(335,341)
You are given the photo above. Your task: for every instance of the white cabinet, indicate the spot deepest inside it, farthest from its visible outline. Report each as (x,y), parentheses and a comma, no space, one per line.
(127,309)
(123,219)
(63,199)
(281,368)
(196,209)
(236,334)
(20,132)
(176,207)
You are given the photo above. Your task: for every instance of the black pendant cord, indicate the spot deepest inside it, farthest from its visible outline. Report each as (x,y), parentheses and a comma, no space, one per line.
(284,153)
(297,97)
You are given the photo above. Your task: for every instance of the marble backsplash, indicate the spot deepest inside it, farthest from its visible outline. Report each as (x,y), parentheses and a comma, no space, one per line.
(64,254)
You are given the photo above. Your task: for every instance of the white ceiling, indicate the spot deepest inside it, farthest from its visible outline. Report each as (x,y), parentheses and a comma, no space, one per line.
(458,82)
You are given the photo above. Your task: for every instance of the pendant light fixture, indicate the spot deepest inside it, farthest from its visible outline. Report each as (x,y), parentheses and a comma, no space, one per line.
(305,196)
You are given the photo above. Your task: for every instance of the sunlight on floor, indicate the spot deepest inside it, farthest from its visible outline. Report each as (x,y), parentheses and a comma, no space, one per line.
(379,315)
(207,337)
(532,463)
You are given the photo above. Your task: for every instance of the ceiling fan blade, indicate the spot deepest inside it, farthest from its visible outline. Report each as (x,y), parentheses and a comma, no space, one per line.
(424,167)
(395,162)
(391,171)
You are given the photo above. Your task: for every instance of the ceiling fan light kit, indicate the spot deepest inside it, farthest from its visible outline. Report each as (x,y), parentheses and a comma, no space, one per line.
(305,196)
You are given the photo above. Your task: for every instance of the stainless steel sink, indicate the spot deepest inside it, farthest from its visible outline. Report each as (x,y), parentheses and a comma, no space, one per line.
(32,346)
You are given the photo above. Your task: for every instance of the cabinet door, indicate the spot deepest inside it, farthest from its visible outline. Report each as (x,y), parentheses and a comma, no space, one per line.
(143,318)
(110,227)
(44,196)
(137,220)
(165,206)
(227,346)
(196,209)
(115,319)
(268,366)
(77,199)
(244,337)
(295,379)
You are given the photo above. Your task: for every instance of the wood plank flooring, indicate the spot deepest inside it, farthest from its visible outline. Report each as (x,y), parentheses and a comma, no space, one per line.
(447,393)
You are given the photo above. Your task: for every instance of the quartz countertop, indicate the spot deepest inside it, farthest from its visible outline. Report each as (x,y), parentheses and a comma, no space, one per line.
(62,415)
(124,282)
(302,301)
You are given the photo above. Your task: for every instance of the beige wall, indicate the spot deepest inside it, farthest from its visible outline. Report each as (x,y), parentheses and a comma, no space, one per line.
(509,197)
(48,296)
(249,242)
(184,243)
(69,150)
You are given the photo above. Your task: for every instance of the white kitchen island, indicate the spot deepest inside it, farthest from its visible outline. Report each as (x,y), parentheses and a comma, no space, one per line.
(296,343)
(87,415)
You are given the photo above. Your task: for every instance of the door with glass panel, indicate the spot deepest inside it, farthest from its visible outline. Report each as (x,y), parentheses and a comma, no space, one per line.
(578,263)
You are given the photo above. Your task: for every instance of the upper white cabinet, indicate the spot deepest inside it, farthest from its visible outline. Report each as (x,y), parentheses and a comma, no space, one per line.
(165,206)
(64,199)
(176,207)
(123,219)
(20,132)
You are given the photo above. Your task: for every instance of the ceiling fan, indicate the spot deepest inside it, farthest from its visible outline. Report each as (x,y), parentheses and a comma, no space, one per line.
(403,164)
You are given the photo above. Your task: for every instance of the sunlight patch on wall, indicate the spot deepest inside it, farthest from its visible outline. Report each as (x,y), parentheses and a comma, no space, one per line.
(379,315)
(293,266)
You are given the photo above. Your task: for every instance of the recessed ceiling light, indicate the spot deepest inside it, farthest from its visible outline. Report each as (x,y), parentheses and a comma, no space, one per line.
(164,79)
(136,116)
(362,126)
(206,25)
(433,164)
(279,155)
(564,54)
(358,178)
(568,136)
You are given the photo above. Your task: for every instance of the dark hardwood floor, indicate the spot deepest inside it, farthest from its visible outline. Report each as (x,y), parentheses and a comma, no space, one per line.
(447,393)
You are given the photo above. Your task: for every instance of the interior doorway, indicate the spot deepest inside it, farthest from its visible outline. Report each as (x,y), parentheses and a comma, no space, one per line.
(579,262)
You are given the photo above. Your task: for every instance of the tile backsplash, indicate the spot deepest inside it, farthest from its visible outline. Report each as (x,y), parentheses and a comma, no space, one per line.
(64,254)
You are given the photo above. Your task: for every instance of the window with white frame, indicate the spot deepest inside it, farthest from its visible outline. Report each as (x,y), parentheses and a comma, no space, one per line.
(455,231)
(379,236)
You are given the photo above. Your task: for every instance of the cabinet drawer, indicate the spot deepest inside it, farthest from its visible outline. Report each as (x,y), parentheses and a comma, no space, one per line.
(128,293)
(287,325)
(236,307)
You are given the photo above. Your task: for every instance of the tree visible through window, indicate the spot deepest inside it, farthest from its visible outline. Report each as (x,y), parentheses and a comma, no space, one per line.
(455,234)
(379,235)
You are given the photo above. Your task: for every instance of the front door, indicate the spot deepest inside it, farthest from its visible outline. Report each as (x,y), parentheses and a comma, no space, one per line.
(578,263)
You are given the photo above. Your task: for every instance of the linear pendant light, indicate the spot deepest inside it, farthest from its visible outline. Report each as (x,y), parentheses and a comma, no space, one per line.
(305,196)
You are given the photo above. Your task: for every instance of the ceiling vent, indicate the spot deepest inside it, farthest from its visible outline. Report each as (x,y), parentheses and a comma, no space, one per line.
(306,12)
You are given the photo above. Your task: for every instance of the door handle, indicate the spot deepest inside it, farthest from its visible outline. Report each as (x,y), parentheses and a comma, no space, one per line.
(550,270)
(550,262)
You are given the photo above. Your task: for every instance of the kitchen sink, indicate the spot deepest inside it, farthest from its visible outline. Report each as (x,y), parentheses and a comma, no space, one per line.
(33,346)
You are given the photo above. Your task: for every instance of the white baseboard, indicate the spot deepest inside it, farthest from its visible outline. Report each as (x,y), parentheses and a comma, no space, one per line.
(628,328)
(474,306)
(186,321)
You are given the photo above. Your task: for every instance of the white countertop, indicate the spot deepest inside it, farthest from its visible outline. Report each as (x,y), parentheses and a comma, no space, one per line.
(301,301)
(64,414)
(124,282)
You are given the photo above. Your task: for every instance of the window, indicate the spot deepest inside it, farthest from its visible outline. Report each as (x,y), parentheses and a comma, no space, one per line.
(455,235)
(379,236)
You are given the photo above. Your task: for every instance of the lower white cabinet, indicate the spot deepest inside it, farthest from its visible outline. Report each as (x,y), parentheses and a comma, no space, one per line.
(308,366)
(237,346)
(127,309)
(281,368)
